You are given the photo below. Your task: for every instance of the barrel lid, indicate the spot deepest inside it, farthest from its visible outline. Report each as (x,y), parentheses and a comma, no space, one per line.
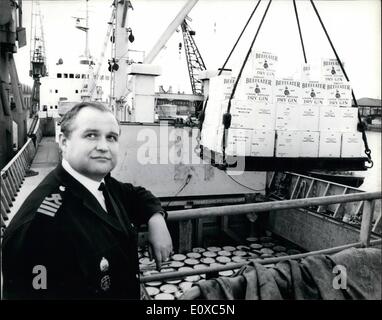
(178,257)
(239,253)
(238,259)
(216,264)
(174,281)
(266,256)
(185,269)
(207,260)
(167,270)
(164,296)
(252,239)
(198,250)
(200,266)
(152,291)
(193,278)
(194,255)
(191,262)
(214,249)
(242,248)
(266,251)
(168,288)
(176,264)
(224,253)
(223,259)
(209,254)
(256,246)
(229,248)
(154,283)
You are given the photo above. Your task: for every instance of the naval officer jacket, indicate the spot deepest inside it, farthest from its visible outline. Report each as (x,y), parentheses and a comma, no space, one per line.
(62,245)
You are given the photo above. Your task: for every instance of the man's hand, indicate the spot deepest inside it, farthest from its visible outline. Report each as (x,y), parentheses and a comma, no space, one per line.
(159,238)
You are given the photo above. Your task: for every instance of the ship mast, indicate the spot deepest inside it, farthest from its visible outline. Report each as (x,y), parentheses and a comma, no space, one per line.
(86,59)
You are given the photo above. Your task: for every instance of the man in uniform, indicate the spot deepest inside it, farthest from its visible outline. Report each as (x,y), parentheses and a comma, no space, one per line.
(75,236)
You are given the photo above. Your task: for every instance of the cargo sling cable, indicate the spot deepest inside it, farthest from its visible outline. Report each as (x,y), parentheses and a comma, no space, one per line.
(361,125)
(227,116)
(202,114)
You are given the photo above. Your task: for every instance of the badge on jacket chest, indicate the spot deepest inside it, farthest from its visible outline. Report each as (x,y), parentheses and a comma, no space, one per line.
(105,283)
(105,280)
(104,265)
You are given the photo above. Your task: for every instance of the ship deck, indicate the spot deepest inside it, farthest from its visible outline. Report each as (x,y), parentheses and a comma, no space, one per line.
(46,159)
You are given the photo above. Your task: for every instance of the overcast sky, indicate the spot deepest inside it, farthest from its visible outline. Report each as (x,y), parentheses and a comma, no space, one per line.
(354,27)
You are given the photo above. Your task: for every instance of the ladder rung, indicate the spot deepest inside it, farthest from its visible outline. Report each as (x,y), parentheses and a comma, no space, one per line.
(295,187)
(320,208)
(339,205)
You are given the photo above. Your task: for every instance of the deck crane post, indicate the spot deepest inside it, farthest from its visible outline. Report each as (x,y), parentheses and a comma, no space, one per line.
(38,67)
(149,58)
(104,46)
(195,61)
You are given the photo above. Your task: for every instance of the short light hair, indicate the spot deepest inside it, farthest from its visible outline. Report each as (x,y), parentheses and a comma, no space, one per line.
(70,116)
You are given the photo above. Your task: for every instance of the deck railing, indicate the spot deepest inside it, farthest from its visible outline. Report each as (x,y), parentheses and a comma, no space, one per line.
(13,174)
(364,236)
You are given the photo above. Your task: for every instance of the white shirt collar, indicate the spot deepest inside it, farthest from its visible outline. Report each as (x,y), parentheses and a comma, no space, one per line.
(88,183)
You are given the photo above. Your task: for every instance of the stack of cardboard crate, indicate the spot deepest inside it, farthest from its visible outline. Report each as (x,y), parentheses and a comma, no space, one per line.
(282,117)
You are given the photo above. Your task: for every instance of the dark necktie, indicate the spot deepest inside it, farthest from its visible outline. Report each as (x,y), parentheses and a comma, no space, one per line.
(108,201)
(110,205)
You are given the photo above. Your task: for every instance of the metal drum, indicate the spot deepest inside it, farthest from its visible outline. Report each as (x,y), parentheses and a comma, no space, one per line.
(168,288)
(238,259)
(194,255)
(207,260)
(225,253)
(209,254)
(164,296)
(239,253)
(256,246)
(223,259)
(176,264)
(226,273)
(242,248)
(152,291)
(266,251)
(229,248)
(191,262)
(178,257)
